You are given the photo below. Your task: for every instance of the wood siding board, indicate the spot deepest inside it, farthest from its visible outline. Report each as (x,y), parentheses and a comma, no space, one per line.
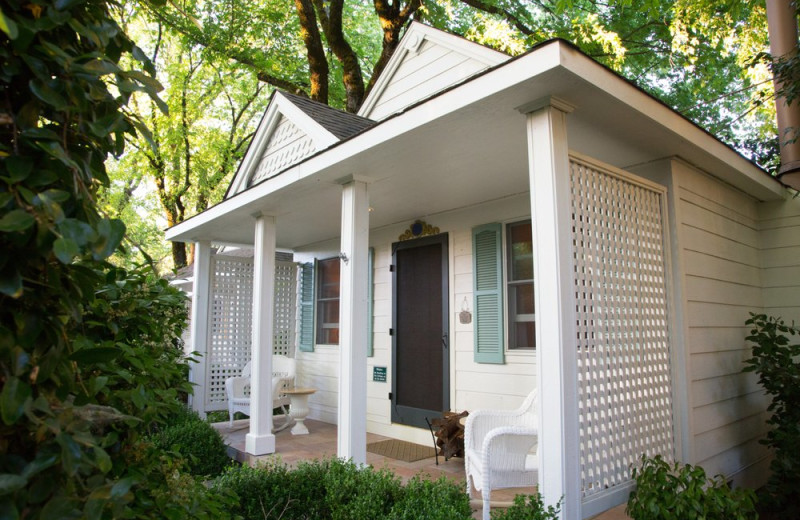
(438,65)
(700,289)
(716,415)
(733,460)
(700,314)
(744,213)
(720,225)
(781,257)
(720,268)
(782,297)
(780,237)
(710,365)
(717,389)
(731,435)
(781,276)
(718,339)
(703,241)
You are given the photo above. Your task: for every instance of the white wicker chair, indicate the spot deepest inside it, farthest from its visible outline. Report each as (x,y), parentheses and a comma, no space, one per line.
(501,450)
(283,374)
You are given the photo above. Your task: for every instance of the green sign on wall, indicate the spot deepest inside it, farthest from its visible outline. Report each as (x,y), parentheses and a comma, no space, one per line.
(379,374)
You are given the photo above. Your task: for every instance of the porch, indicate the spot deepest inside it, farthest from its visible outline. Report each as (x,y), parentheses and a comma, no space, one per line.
(321,443)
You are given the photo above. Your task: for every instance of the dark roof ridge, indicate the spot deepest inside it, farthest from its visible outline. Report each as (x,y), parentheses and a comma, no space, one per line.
(338,122)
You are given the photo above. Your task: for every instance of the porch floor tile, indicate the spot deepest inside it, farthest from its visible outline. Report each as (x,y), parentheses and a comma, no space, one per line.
(320,443)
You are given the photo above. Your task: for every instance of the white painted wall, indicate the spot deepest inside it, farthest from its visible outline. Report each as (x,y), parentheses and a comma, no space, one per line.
(473,385)
(780,247)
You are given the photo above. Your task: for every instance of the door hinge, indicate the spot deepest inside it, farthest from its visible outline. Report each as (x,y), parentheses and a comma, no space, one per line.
(391,332)
(390,396)
(391,268)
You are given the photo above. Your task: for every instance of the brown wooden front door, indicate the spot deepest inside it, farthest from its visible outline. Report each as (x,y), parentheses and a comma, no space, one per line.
(420,346)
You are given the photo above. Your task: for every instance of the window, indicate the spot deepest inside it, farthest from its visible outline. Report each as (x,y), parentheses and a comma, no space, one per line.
(328,302)
(519,280)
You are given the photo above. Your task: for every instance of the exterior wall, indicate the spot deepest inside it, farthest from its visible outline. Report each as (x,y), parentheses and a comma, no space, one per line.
(780,246)
(431,69)
(472,385)
(287,145)
(718,277)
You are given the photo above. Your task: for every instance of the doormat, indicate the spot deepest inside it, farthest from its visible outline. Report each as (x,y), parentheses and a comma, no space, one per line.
(401,450)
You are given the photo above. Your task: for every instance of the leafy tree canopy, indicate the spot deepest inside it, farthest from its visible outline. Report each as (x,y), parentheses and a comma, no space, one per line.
(705,58)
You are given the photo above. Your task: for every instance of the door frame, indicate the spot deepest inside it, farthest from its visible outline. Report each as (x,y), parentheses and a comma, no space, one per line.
(441,239)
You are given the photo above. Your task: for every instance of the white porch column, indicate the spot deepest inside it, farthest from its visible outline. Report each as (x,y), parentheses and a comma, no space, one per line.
(548,156)
(199,323)
(353,323)
(260,440)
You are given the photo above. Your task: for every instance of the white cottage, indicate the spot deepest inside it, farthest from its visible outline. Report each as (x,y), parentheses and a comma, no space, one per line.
(489,225)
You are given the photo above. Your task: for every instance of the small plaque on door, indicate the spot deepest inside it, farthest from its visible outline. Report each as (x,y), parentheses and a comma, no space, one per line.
(379,374)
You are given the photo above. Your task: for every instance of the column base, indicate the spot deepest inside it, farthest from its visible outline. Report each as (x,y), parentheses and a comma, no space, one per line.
(259,444)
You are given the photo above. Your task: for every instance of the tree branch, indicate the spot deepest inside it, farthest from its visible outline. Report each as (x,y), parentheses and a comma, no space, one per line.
(331,23)
(317,62)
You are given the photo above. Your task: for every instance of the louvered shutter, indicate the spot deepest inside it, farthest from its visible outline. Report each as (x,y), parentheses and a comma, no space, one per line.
(370,301)
(488,282)
(306,343)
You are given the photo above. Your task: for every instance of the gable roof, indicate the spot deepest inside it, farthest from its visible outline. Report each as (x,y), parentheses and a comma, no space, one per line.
(339,123)
(292,129)
(426,61)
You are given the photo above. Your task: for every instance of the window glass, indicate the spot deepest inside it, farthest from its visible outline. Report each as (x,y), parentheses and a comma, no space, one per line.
(328,301)
(521,313)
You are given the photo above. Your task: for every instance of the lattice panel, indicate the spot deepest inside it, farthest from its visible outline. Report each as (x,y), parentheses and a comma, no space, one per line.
(621,285)
(285,308)
(230,320)
(287,145)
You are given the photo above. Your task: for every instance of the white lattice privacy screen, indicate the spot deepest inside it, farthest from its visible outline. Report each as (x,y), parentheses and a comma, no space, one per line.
(621,287)
(230,320)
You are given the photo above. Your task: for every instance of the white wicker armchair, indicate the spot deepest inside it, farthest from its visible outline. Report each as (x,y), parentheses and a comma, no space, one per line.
(283,374)
(501,450)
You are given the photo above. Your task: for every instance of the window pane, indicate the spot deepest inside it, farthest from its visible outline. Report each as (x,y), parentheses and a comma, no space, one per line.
(522,295)
(329,278)
(524,335)
(328,302)
(520,251)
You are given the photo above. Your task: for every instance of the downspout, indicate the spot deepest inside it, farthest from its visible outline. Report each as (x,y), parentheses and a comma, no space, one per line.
(782,26)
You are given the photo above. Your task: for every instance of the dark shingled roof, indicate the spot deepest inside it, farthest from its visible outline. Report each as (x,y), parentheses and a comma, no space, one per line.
(341,124)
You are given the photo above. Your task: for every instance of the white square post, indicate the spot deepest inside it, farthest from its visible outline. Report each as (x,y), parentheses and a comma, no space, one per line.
(199,323)
(353,323)
(554,295)
(260,440)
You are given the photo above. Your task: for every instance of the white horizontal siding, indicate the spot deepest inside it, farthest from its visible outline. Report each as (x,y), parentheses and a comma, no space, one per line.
(780,243)
(432,69)
(720,248)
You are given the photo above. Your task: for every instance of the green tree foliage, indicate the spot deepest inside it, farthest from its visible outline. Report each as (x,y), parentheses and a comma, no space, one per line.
(89,354)
(777,363)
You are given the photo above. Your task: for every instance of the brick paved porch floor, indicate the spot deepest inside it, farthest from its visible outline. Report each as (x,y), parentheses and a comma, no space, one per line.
(321,443)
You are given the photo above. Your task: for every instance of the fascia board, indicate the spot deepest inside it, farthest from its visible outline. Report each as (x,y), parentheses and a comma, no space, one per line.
(279,106)
(751,179)
(417,31)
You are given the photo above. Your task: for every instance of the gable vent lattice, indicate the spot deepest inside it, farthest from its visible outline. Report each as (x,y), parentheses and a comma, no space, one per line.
(287,146)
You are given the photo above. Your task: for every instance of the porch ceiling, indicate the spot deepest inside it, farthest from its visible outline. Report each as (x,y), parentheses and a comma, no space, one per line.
(467,146)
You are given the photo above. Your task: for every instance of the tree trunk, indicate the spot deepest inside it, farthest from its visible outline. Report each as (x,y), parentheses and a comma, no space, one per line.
(331,21)
(317,62)
(179,257)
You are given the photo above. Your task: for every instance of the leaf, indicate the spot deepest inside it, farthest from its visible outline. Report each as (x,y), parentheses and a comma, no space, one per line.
(13,398)
(10,281)
(65,250)
(40,463)
(16,220)
(77,230)
(9,483)
(18,168)
(46,93)
(122,487)
(100,67)
(111,233)
(5,198)
(59,507)
(101,459)
(8,26)
(95,355)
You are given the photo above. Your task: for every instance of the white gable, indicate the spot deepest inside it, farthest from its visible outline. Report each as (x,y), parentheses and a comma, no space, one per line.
(287,145)
(427,61)
(285,136)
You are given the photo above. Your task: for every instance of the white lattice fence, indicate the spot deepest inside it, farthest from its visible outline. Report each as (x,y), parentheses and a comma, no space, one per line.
(621,287)
(230,321)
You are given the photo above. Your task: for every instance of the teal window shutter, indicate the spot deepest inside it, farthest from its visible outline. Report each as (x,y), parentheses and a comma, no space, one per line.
(306,342)
(370,300)
(487,260)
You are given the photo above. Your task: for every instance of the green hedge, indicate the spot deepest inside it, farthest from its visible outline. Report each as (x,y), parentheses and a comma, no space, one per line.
(336,490)
(195,440)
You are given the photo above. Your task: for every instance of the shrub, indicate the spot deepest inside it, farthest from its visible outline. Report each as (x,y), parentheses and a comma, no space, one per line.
(195,440)
(439,499)
(683,491)
(777,364)
(333,489)
(529,507)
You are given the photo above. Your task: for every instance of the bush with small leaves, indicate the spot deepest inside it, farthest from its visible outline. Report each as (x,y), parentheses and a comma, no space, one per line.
(682,491)
(195,440)
(528,507)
